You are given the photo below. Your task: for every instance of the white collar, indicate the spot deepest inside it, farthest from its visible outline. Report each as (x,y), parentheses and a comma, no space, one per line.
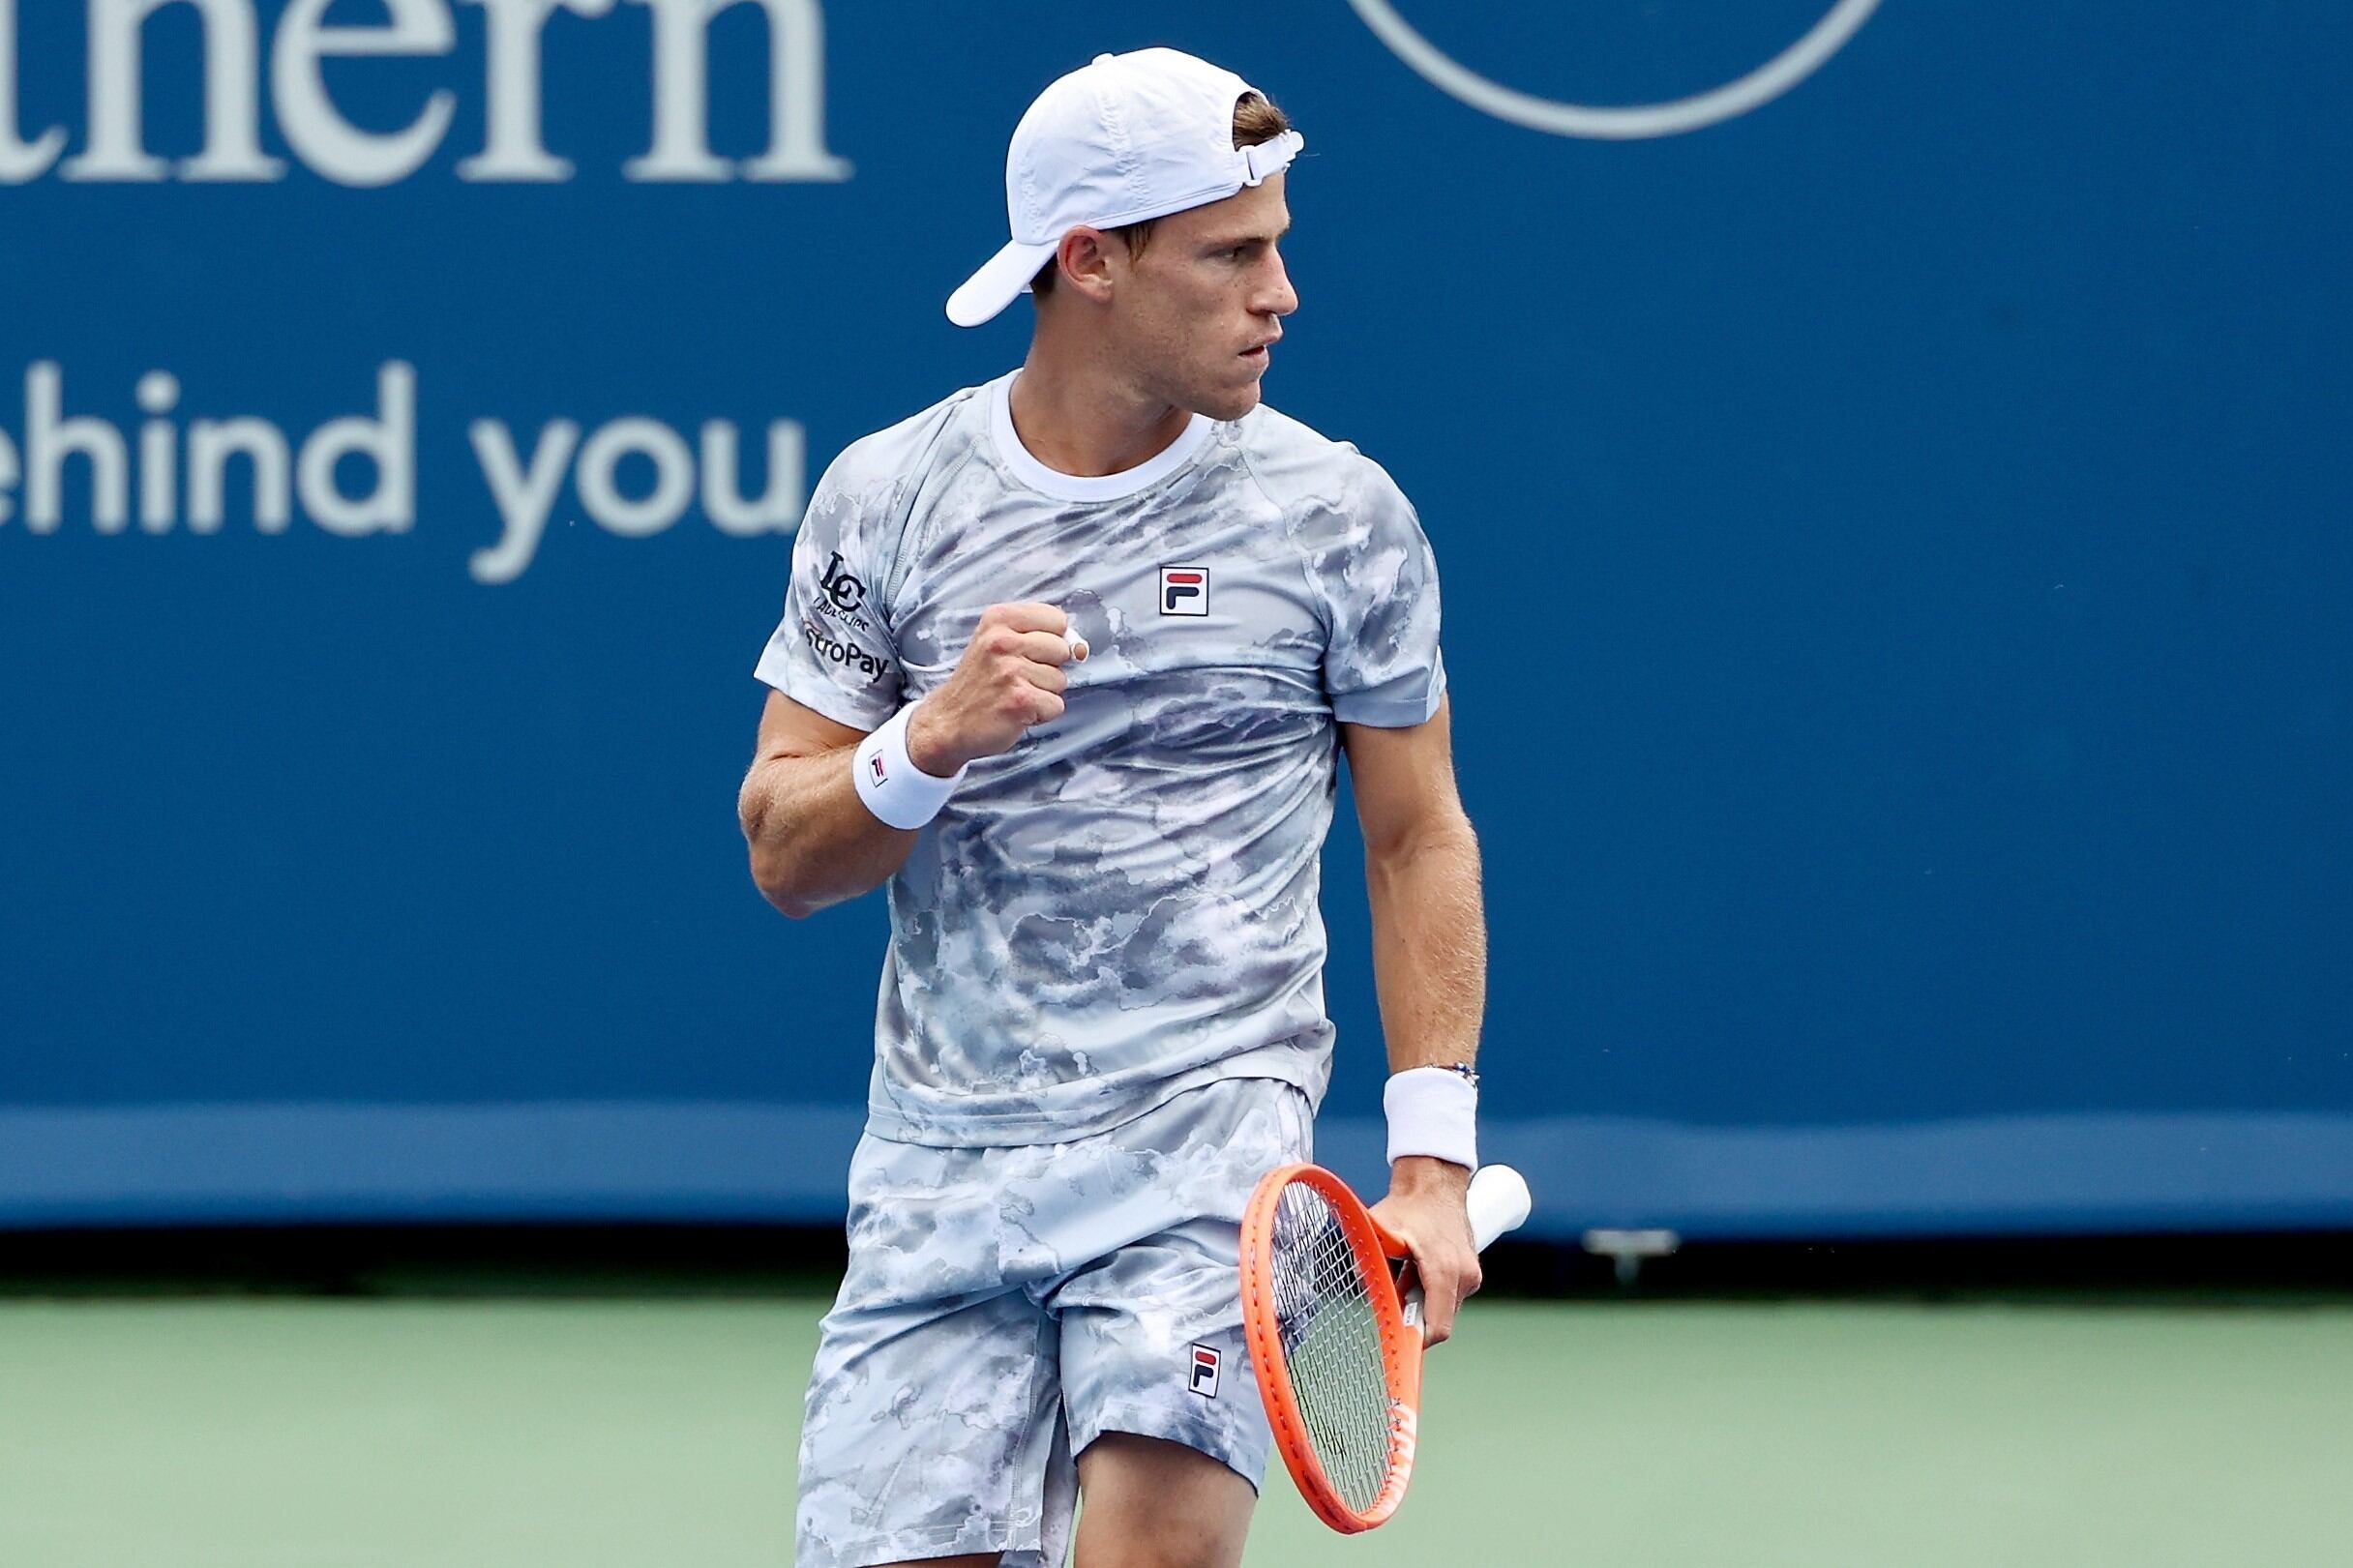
(1083,487)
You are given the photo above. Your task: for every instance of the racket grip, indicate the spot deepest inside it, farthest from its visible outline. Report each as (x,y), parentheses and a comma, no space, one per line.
(1498,1200)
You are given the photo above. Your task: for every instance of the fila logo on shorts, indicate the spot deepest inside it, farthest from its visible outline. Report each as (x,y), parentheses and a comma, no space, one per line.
(1205,1372)
(1185,590)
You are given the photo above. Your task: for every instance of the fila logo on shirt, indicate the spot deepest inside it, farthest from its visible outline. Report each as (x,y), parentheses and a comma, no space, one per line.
(1205,1372)
(1185,590)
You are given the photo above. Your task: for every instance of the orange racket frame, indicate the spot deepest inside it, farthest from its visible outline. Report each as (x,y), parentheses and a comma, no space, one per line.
(1376,1252)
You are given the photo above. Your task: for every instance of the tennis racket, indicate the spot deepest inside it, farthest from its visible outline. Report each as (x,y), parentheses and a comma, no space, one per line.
(1335,1342)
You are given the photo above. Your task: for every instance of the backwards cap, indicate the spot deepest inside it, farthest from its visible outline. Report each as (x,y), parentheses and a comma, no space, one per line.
(1120,139)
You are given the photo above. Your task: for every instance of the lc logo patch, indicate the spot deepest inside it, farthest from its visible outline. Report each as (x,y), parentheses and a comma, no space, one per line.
(1185,590)
(1205,1372)
(845,592)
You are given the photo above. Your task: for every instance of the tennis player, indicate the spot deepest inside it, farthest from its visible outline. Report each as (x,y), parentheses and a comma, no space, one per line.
(1067,662)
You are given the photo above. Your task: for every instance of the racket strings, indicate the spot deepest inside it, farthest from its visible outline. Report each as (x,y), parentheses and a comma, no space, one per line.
(1330,1335)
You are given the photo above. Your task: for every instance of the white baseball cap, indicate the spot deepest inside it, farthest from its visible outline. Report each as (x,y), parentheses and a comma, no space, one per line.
(1124,138)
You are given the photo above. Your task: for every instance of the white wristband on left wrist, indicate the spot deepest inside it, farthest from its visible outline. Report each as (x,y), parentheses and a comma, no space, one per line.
(1434,1111)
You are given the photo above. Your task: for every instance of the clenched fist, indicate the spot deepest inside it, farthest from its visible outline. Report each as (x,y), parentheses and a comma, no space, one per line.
(1009,678)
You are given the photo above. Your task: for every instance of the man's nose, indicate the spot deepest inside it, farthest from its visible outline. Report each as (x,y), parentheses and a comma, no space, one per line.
(1278,297)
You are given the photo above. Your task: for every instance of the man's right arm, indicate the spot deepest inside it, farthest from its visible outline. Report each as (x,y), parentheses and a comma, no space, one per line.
(814,842)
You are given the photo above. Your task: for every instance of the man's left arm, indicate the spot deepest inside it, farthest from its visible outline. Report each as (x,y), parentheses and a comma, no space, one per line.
(1422,869)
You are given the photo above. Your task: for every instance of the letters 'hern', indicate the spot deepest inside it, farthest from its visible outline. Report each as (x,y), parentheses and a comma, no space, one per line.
(318,133)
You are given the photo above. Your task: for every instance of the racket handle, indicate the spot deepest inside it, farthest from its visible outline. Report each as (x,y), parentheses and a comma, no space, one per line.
(1499,1201)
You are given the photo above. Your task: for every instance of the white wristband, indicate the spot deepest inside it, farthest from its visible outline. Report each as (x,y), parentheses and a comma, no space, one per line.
(889,782)
(1432,1110)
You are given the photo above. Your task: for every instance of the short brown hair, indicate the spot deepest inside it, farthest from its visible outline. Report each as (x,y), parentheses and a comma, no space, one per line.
(1256,120)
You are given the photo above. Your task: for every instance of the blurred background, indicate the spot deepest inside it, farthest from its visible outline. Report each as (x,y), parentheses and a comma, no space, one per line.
(1877,457)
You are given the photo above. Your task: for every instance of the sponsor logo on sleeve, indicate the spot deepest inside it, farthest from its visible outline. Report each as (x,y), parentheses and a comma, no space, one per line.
(1185,590)
(840,595)
(835,649)
(1205,1372)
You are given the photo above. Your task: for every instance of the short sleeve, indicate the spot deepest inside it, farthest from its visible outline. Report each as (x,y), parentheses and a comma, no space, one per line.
(1378,582)
(832,652)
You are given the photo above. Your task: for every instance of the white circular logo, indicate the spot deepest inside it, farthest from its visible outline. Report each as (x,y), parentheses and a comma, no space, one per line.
(1627,121)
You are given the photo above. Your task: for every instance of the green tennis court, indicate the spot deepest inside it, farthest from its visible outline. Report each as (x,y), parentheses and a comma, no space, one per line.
(198,1432)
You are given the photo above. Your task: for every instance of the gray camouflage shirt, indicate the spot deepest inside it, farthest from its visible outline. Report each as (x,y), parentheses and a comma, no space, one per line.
(1123,905)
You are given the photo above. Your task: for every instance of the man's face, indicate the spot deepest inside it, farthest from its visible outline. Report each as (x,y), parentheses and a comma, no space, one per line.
(1193,314)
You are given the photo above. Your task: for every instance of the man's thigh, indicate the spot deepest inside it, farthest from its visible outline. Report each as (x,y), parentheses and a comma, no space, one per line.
(1152,1346)
(928,1435)
(1157,1504)
(1005,1308)
(934,1427)
(1152,1341)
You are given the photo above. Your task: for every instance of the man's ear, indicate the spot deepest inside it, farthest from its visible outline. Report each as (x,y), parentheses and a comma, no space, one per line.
(1085,258)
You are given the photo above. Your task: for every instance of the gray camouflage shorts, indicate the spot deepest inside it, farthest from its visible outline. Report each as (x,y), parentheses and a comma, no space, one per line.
(1004,1307)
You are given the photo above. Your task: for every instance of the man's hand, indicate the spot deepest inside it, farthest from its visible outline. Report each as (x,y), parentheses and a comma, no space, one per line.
(1425,1210)
(1009,678)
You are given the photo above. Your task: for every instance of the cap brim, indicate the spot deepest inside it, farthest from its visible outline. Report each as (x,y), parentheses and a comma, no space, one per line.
(1000,277)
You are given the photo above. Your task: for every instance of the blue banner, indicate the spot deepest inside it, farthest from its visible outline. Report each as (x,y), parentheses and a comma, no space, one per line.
(1877,457)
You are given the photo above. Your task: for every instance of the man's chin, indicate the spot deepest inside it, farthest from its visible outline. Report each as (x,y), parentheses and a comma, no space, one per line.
(1230,406)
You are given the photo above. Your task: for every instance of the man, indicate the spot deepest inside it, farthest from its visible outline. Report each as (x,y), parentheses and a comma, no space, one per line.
(1066,660)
